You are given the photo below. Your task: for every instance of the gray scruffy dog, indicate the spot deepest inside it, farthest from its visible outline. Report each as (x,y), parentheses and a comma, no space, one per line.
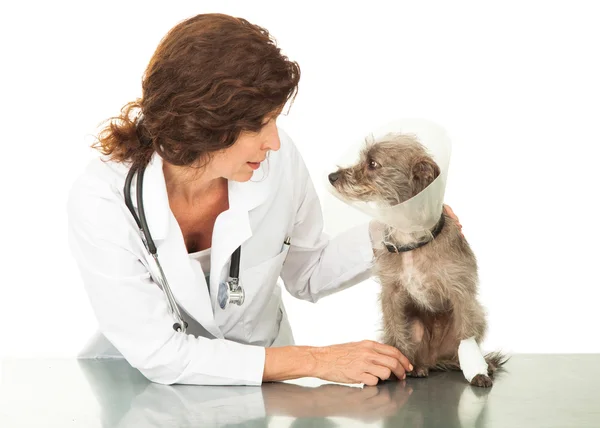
(428,279)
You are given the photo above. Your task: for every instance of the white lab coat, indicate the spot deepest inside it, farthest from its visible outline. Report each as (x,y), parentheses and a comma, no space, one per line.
(222,347)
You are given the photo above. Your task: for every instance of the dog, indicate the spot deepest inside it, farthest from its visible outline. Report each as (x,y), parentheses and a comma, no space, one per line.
(428,279)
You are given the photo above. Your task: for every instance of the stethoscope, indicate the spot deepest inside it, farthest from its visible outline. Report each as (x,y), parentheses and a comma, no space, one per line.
(230,292)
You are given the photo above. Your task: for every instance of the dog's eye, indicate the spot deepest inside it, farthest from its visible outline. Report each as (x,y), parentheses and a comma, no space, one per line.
(373,164)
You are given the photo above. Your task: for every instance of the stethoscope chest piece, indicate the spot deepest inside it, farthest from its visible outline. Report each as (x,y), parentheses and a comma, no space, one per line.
(230,292)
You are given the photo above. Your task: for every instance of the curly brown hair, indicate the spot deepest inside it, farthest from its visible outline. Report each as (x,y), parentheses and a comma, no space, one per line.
(212,77)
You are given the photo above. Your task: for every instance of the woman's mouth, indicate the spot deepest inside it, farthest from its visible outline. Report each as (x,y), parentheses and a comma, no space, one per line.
(254,165)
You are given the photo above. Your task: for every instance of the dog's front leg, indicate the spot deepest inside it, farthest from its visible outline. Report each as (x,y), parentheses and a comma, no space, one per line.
(396,333)
(472,363)
(396,327)
(470,328)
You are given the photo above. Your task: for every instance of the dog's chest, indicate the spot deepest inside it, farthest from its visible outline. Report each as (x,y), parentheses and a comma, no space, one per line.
(414,279)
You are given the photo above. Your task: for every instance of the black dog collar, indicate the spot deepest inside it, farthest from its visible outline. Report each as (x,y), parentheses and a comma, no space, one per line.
(409,247)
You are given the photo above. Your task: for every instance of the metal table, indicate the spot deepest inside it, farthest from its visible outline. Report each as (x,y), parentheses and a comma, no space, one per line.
(534,391)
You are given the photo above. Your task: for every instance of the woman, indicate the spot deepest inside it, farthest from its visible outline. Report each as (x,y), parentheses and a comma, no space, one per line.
(204,127)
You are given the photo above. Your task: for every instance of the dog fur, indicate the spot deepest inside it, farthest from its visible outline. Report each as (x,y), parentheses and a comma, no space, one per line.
(429,294)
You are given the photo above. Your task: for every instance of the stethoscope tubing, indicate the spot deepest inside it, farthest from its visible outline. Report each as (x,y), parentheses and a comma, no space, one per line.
(146,237)
(180,325)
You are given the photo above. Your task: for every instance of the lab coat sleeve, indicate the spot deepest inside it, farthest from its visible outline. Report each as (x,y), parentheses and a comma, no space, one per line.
(131,310)
(318,265)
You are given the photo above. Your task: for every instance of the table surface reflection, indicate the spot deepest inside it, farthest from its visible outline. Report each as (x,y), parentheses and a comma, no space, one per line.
(534,391)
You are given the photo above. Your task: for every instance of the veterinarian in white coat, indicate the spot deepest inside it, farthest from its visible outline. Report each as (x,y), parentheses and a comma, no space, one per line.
(219,174)
(131,309)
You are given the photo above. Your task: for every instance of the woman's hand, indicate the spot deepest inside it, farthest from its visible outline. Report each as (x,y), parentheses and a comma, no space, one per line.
(359,362)
(449,212)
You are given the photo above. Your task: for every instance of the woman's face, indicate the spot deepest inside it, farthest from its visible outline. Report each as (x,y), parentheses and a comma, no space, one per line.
(239,161)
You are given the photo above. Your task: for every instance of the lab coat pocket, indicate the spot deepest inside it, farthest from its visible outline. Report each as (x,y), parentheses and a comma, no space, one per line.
(261,317)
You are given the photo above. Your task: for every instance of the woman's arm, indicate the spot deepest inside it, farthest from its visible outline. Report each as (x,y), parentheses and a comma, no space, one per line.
(131,309)
(318,265)
(356,362)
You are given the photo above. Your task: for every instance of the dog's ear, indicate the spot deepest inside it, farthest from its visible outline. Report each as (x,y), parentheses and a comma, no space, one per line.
(424,171)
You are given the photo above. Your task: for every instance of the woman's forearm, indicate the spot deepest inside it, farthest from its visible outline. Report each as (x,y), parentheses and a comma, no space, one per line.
(289,362)
(365,362)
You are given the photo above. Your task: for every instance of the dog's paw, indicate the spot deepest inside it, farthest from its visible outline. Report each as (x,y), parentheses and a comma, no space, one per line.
(419,372)
(482,381)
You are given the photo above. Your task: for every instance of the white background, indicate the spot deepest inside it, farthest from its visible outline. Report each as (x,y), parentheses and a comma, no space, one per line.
(514,83)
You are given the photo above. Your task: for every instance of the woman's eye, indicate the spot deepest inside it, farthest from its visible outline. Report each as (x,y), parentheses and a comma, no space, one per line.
(373,165)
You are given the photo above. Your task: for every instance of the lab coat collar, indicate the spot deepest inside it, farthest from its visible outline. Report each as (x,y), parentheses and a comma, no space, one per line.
(243,196)
(232,228)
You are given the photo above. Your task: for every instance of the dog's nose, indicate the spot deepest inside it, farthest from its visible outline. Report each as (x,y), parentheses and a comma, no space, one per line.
(333,177)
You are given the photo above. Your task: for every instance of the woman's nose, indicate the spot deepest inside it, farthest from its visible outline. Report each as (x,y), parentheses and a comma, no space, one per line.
(272,141)
(333,177)
(273,144)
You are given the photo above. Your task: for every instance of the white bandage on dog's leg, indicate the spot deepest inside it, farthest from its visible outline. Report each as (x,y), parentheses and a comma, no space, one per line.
(470,358)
